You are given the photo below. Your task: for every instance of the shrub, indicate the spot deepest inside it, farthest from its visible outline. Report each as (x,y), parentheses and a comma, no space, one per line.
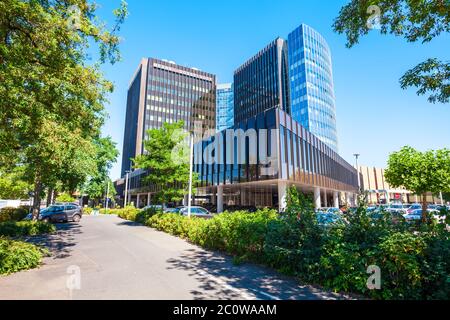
(143,215)
(25,228)
(88,211)
(13,214)
(17,255)
(127,213)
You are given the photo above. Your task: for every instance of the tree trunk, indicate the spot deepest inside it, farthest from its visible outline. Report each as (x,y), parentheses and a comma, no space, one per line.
(37,197)
(424,208)
(50,194)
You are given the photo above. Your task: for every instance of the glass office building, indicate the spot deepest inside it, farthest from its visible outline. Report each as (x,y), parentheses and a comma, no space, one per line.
(262,83)
(164,92)
(311,84)
(298,158)
(225,106)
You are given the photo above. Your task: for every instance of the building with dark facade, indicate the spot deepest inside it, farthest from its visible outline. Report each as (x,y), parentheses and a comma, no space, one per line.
(311,83)
(271,145)
(162,91)
(262,83)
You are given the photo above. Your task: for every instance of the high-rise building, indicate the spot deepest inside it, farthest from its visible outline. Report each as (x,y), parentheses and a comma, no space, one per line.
(262,83)
(162,91)
(311,84)
(225,106)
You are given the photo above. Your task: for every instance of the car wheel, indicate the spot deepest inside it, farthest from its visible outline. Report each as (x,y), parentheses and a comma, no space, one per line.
(76,218)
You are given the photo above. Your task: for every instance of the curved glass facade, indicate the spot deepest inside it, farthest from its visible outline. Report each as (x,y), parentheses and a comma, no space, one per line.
(225,106)
(312,87)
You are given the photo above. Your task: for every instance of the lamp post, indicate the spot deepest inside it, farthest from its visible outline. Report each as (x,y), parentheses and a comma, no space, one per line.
(191,169)
(357,155)
(126,189)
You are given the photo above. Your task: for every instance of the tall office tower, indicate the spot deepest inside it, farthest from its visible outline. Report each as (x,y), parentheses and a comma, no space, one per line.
(162,91)
(262,83)
(311,84)
(225,106)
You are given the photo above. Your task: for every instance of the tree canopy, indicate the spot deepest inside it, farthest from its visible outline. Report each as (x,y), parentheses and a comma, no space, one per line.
(167,161)
(51,99)
(419,172)
(421,20)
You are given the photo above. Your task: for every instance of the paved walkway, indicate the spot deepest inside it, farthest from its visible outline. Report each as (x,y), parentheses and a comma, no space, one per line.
(117,259)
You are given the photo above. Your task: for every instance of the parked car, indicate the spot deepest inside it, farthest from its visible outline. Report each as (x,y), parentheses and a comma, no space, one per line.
(325,219)
(414,206)
(397,208)
(330,210)
(156,207)
(196,212)
(416,215)
(394,216)
(59,213)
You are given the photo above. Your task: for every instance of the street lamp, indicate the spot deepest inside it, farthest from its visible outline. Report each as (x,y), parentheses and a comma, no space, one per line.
(191,169)
(126,188)
(357,155)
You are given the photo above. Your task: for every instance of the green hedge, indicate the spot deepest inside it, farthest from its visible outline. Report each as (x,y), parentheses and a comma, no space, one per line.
(13,214)
(414,260)
(17,256)
(136,215)
(25,228)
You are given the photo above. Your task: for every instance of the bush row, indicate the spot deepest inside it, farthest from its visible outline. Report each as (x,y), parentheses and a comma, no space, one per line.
(17,256)
(136,215)
(13,214)
(25,228)
(414,260)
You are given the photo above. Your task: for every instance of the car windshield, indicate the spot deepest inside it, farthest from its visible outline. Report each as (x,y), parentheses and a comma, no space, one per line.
(396,206)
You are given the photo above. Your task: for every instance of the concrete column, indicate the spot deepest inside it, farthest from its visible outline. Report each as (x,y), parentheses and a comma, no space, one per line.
(149,199)
(282,196)
(219,199)
(348,198)
(325,199)
(335,199)
(138,202)
(317,200)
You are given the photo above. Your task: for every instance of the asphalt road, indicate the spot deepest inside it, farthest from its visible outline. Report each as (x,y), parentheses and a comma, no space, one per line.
(105,257)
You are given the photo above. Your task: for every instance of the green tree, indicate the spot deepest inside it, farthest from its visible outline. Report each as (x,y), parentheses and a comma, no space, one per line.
(65,197)
(13,184)
(51,99)
(167,162)
(420,172)
(420,20)
(106,156)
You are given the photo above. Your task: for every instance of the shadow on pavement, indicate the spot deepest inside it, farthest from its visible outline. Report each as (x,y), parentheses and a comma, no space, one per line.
(60,243)
(263,283)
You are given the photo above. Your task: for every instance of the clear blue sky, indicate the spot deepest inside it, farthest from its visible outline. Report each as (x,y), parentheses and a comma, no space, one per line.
(374,115)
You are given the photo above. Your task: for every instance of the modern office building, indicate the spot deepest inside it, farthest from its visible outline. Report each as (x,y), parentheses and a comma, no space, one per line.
(284,131)
(262,83)
(311,84)
(162,91)
(297,157)
(225,106)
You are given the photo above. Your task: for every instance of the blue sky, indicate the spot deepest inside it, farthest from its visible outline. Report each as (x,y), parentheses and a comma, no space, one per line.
(374,115)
